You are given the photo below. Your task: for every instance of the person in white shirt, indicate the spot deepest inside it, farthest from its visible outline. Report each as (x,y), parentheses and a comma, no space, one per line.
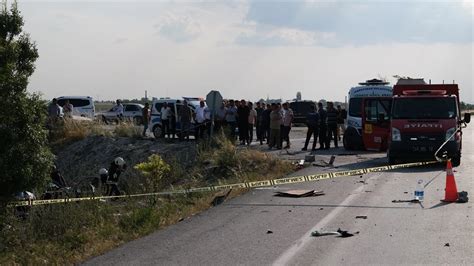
(118,109)
(231,118)
(165,119)
(286,125)
(202,114)
(252,119)
(219,120)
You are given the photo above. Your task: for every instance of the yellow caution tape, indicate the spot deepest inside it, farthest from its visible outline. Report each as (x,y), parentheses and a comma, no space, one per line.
(254,184)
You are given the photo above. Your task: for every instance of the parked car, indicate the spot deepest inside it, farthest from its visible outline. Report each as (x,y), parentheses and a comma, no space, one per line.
(82,105)
(131,112)
(155,123)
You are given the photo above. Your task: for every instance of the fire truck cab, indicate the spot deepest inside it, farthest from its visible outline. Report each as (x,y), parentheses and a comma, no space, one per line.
(423,117)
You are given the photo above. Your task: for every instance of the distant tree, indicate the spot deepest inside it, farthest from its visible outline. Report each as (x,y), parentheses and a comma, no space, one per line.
(466,106)
(25,158)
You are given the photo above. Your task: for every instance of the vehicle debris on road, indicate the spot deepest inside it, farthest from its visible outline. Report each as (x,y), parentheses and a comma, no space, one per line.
(338,233)
(322,163)
(298,193)
(409,201)
(361,217)
(462,197)
(309,158)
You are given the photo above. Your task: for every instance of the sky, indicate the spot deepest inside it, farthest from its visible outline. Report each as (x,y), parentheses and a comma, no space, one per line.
(245,49)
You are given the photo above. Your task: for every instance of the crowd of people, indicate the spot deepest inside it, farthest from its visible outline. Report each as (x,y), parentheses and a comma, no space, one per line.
(240,119)
(271,123)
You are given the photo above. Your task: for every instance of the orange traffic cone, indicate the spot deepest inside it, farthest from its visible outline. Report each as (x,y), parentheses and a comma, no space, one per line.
(451,191)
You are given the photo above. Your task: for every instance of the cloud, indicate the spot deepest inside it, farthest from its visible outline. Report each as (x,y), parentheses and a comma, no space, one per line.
(178,27)
(120,40)
(284,37)
(362,23)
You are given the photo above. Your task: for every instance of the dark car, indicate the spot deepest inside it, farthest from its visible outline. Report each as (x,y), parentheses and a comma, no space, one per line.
(300,110)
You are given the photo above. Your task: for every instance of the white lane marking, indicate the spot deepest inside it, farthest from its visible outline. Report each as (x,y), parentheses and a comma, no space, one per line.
(300,244)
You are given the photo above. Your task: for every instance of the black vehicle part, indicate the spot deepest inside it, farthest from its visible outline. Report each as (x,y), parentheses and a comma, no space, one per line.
(352,140)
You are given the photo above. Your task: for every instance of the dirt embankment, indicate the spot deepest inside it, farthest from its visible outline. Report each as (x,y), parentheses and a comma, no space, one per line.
(83,158)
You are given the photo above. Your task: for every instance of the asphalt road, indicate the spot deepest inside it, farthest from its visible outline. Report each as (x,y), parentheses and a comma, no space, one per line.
(238,231)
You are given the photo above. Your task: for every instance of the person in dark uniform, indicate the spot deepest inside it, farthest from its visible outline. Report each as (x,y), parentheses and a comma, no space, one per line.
(332,115)
(243,112)
(341,120)
(266,123)
(312,122)
(322,127)
(259,126)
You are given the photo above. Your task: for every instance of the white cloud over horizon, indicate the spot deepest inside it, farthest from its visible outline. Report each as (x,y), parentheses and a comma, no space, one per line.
(247,49)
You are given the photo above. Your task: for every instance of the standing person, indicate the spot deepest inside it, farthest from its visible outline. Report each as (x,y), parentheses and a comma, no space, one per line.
(53,113)
(146,118)
(243,112)
(116,168)
(172,119)
(200,118)
(258,124)
(231,118)
(165,119)
(118,109)
(312,122)
(266,123)
(332,115)
(68,109)
(341,120)
(219,120)
(252,118)
(287,120)
(323,130)
(275,127)
(184,115)
(207,121)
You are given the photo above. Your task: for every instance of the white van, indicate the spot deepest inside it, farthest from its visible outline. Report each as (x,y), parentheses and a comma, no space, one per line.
(82,105)
(175,105)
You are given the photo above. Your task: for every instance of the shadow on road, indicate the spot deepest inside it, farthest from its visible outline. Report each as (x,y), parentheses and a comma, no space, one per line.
(441,204)
(316,206)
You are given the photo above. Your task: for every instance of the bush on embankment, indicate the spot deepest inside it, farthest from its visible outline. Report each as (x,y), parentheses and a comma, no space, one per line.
(72,232)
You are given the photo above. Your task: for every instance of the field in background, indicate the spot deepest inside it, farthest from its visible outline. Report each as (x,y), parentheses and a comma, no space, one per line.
(103,106)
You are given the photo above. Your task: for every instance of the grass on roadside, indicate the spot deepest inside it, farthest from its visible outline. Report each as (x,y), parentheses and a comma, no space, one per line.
(70,130)
(70,233)
(127,129)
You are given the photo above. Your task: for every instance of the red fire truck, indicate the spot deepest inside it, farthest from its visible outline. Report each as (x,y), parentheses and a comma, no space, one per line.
(423,117)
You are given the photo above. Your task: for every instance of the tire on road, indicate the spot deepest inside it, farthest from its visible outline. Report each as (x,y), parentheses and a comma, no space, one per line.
(352,140)
(392,160)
